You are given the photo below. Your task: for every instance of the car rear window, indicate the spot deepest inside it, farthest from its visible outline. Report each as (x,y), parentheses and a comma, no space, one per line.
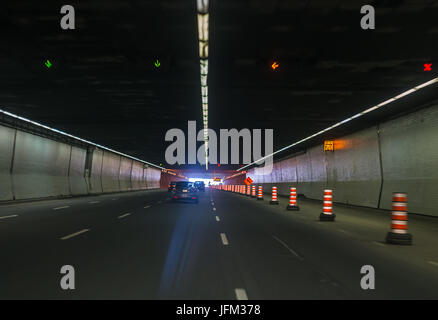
(183,184)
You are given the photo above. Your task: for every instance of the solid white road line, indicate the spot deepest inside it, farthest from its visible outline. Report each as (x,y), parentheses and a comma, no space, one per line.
(147,207)
(433,263)
(124,215)
(241,294)
(224,239)
(11,216)
(74,234)
(217,218)
(93,202)
(64,207)
(288,248)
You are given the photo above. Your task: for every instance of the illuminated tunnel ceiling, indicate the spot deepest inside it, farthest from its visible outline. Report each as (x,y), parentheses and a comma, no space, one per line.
(103,85)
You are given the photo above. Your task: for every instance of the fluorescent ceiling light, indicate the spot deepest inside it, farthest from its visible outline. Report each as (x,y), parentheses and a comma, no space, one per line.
(203,27)
(203,49)
(204,67)
(77,138)
(203,80)
(204,90)
(346,120)
(204,100)
(202,6)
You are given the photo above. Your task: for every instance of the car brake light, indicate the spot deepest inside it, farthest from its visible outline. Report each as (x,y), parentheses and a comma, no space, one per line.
(193,198)
(175,197)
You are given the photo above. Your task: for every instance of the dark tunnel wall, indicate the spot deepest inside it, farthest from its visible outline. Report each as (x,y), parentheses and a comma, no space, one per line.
(237,180)
(166,178)
(400,155)
(34,167)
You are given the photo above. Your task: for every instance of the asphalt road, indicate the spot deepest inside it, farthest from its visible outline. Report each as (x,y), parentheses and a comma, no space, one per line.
(141,245)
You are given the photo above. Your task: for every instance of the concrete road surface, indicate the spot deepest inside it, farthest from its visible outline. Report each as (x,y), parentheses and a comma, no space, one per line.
(141,245)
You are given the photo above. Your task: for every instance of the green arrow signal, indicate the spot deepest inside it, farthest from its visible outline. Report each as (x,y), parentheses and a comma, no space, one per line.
(157,63)
(48,64)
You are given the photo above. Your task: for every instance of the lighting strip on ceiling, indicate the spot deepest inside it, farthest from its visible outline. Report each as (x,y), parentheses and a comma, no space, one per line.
(77,138)
(408,92)
(203,35)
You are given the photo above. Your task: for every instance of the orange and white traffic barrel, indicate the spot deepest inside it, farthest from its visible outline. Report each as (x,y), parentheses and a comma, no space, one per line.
(248,191)
(274,199)
(327,207)
(399,220)
(293,200)
(260,193)
(253,191)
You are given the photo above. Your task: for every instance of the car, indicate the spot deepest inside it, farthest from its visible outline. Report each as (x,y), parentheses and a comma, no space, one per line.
(200,185)
(185,191)
(171,186)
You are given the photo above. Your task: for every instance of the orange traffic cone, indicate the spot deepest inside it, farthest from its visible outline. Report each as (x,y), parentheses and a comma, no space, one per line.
(327,211)
(293,200)
(274,199)
(399,224)
(260,193)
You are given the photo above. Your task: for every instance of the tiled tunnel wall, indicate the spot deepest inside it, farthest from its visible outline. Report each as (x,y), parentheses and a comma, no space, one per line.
(367,166)
(32,167)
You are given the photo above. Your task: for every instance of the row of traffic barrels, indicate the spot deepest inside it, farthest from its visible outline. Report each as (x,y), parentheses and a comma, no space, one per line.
(399,216)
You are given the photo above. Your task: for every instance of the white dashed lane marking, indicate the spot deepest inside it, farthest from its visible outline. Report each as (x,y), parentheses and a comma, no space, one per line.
(433,263)
(147,207)
(217,218)
(59,208)
(7,217)
(124,215)
(92,202)
(224,239)
(240,294)
(379,243)
(75,234)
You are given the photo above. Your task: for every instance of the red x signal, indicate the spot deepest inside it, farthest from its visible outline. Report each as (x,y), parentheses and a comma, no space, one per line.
(428,67)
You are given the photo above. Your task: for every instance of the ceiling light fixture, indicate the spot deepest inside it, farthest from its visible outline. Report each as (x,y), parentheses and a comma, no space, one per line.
(403,94)
(203,31)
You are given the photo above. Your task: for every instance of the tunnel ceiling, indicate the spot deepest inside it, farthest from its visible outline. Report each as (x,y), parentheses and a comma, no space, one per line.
(103,85)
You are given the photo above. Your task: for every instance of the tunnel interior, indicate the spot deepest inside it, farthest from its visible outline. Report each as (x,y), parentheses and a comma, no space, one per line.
(218,150)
